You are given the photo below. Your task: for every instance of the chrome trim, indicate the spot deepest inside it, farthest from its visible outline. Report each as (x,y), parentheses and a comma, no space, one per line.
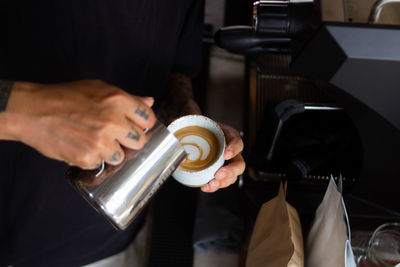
(277,133)
(377,9)
(102,167)
(317,107)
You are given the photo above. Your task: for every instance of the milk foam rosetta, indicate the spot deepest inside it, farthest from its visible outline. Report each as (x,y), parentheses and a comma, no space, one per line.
(200,144)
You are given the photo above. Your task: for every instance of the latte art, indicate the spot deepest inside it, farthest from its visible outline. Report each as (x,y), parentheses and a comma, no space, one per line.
(200,144)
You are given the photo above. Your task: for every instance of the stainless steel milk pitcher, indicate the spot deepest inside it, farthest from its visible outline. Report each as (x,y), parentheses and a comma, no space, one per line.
(120,192)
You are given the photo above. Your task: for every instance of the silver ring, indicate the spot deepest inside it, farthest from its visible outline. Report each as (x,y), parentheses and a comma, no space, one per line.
(101,169)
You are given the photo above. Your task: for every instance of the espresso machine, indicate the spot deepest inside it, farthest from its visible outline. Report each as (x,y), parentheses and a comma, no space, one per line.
(323,93)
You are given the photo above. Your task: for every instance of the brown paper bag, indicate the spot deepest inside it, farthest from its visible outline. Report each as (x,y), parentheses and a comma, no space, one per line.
(328,241)
(277,239)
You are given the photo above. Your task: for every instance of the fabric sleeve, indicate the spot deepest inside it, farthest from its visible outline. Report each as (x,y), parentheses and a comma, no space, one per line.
(5,91)
(188,57)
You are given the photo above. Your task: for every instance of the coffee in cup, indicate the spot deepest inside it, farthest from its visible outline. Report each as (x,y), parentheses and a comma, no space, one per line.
(204,143)
(201,146)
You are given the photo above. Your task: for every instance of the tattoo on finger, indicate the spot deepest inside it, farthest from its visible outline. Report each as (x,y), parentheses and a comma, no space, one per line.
(142,112)
(133,134)
(115,157)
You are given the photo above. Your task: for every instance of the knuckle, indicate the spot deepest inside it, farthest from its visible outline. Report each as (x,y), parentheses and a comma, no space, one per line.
(100,145)
(229,181)
(120,95)
(98,81)
(227,184)
(106,128)
(92,82)
(108,124)
(240,142)
(117,97)
(229,173)
(223,184)
(110,95)
(241,145)
(95,138)
(86,160)
(242,167)
(233,180)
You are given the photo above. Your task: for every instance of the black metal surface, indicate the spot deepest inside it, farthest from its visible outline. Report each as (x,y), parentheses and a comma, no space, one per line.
(287,19)
(275,83)
(359,66)
(311,145)
(277,27)
(243,40)
(362,60)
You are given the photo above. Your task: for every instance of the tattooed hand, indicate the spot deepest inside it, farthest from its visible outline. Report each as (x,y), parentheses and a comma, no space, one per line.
(81,123)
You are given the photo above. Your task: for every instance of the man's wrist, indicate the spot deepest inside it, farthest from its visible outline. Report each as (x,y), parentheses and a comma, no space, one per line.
(5,91)
(190,107)
(12,120)
(9,126)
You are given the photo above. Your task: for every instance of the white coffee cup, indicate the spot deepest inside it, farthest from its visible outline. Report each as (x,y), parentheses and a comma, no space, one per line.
(197,178)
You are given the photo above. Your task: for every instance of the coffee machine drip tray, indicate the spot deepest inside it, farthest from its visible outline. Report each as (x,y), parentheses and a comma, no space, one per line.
(296,131)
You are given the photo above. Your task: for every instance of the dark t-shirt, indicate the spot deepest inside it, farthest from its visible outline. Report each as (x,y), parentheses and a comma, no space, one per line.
(133,44)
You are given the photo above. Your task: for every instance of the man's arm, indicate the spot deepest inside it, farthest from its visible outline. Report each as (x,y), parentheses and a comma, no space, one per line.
(81,123)
(179,102)
(5,90)
(5,122)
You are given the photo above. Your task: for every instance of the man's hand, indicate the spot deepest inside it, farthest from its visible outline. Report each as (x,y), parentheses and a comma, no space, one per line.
(81,123)
(179,102)
(228,174)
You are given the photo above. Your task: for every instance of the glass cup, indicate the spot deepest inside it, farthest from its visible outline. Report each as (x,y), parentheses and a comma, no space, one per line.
(384,245)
